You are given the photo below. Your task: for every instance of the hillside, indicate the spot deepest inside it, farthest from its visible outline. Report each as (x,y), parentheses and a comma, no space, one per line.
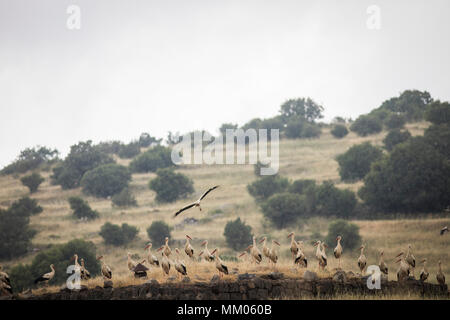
(299,158)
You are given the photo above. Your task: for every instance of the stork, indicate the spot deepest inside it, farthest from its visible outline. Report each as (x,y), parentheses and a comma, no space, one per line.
(85,274)
(410,259)
(106,270)
(131,263)
(220,266)
(151,258)
(294,246)
(273,255)
(167,250)
(206,254)
(4,277)
(382,265)
(180,266)
(254,252)
(444,230)
(403,271)
(338,250)
(320,255)
(300,258)
(46,277)
(424,272)
(188,248)
(165,262)
(362,260)
(440,277)
(265,248)
(196,203)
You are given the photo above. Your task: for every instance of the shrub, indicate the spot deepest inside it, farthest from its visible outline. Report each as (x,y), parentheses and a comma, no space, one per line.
(128,151)
(106,180)
(311,131)
(109,147)
(414,177)
(438,136)
(227,126)
(60,256)
(82,158)
(266,186)
(81,209)
(410,103)
(115,235)
(124,199)
(366,125)
(304,108)
(257,168)
(331,201)
(15,231)
(153,159)
(395,121)
(146,140)
(394,137)
(355,163)
(283,209)
(157,232)
(170,186)
(348,231)
(300,186)
(294,128)
(339,131)
(438,113)
(32,181)
(30,159)
(237,234)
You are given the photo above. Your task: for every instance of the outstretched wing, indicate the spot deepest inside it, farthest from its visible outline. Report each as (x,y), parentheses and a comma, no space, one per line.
(208,191)
(184,208)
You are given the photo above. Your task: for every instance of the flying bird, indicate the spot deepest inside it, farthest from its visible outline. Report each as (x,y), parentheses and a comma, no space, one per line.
(196,203)
(443,230)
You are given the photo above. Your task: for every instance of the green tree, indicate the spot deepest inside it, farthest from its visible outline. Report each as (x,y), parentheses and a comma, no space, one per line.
(394,137)
(82,158)
(284,209)
(339,131)
(237,234)
(124,199)
(414,177)
(266,186)
(81,209)
(227,126)
(438,136)
(105,180)
(153,159)
(116,235)
(171,186)
(348,231)
(304,108)
(366,125)
(302,185)
(32,181)
(332,201)
(30,159)
(157,232)
(146,140)
(438,112)
(130,150)
(355,163)
(395,121)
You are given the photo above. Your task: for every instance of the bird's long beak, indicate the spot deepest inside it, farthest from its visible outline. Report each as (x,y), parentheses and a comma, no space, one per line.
(290,234)
(249,247)
(159,249)
(187,236)
(399,254)
(423,260)
(277,243)
(99,257)
(315,244)
(214,251)
(146,247)
(200,253)
(262,240)
(203,243)
(243,253)
(325,245)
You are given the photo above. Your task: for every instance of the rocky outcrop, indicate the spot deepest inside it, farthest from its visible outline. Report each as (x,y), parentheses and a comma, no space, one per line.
(272,286)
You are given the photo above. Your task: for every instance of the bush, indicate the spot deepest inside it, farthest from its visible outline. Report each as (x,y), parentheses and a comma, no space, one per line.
(294,128)
(355,163)
(32,181)
(394,137)
(331,201)
(266,186)
(82,158)
(115,235)
(170,186)
(157,232)
(237,234)
(438,136)
(60,256)
(30,159)
(146,140)
(153,159)
(438,113)
(109,147)
(124,199)
(348,231)
(283,209)
(366,125)
(310,131)
(81,209)
(300,186)
(395,121)
(339,131)
(128,151)
(415,177)
(303,108)
(105,180)
(15,231)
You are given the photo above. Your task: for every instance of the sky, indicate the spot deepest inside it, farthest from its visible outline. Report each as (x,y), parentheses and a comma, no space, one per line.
(180,65)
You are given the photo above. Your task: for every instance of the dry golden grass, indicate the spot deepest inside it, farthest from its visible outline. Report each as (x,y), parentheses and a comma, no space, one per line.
(311,159)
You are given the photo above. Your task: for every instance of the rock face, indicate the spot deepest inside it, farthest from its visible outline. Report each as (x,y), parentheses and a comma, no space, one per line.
(248,287)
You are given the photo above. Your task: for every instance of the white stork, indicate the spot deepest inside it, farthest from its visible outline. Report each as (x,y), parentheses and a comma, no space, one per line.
(196,203)
(46,277)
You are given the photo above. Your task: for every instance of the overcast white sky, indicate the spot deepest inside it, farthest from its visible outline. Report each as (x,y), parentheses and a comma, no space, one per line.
(179,65)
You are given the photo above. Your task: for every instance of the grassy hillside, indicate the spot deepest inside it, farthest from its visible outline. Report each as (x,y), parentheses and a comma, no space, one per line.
(306,159)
